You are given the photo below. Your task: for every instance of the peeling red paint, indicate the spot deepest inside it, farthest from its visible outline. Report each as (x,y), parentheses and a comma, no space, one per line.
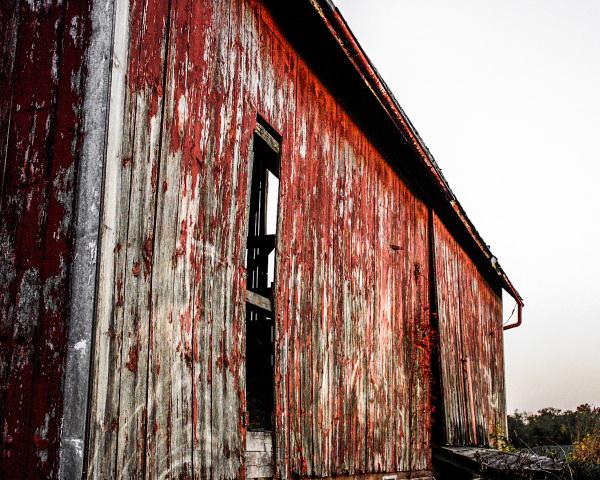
(352,299)
(147,255)
(42,49)
(183,233)
(154,177)
(132,358)
(119,302)
(471,346)
(136,268)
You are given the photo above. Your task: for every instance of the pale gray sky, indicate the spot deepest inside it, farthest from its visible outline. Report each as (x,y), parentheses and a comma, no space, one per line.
(506,94)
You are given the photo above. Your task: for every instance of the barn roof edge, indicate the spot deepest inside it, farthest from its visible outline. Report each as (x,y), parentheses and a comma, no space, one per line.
(341,32)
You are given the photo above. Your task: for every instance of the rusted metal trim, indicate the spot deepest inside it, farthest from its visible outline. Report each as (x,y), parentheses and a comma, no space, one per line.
(519,317)
(355,54)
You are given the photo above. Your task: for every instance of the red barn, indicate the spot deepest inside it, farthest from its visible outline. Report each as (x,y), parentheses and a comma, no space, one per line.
(227,253)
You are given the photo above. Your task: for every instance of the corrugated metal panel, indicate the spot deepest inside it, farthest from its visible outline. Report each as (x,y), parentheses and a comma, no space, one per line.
(352,298)
(471,346)
(42,48)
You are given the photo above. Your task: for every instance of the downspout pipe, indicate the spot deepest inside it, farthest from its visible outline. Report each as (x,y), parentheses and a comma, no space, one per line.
(512,291)
(520,305)
(519,317)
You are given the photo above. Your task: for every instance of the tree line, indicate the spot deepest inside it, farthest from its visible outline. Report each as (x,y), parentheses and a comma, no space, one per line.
(551,426)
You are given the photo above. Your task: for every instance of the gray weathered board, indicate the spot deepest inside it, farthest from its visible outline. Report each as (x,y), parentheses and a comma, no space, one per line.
(259,455)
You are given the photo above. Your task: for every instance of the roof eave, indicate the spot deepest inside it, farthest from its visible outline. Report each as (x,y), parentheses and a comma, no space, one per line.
(355,54)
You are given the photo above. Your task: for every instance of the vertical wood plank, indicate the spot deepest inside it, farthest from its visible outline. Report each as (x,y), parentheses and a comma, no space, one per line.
(119,402)
(470,345)
(42,47)
(169,429)
(423,343)
(146,87)
(103,417)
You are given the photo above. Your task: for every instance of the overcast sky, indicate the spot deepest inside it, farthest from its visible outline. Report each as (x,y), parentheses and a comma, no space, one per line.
(506,94)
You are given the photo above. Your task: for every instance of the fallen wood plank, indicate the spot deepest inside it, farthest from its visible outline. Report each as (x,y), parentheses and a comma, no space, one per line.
(496,462)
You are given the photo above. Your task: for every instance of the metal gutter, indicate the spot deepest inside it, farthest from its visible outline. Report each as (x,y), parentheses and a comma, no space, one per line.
(338,27)
(519,317)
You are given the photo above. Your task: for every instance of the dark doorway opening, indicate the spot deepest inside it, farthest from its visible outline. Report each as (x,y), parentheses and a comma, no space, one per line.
(260,265)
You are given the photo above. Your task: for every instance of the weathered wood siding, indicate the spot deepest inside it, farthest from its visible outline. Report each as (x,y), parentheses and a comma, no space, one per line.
(42,46)
(352,302)
(471,346)
(352,363)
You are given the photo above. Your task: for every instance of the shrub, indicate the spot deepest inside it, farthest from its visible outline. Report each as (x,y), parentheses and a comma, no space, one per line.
(585,456)
(587,449)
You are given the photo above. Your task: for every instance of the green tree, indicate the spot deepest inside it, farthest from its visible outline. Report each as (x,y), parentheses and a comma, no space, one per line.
(551,426)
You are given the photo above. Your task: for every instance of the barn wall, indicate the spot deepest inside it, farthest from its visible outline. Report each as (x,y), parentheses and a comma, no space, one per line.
(352,301)
(352,297)
(42,80)
(471,346)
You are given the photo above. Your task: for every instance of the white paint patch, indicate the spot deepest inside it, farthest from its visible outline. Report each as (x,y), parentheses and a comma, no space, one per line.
(28,304)
(154,126)
(37,5)
(182,110)
(42,433)
(78,444)
(55,66)
(326,143)
(302,143)
(63,191)
(51,289)
(80,346)
(73,29)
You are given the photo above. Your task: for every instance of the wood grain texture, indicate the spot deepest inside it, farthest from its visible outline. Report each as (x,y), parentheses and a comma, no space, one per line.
(259,455)
(100,454)
(351,303)
(471,346)
(358,309)
(352,339)
(42,75)
(119,410)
